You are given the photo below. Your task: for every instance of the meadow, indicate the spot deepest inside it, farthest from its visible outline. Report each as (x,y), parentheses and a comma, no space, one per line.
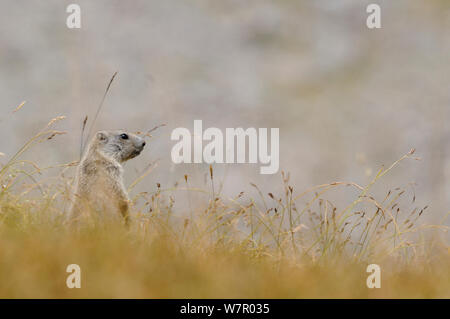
(288,243)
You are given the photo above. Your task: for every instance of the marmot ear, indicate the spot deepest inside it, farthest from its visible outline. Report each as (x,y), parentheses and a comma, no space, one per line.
(102,136)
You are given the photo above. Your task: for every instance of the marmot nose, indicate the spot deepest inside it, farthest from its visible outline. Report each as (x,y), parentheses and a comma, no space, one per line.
(143,144)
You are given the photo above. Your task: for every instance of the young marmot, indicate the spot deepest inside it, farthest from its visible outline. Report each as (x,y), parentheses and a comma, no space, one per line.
(99,187)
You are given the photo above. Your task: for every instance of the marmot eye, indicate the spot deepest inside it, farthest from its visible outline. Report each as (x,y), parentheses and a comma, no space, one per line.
(124,136)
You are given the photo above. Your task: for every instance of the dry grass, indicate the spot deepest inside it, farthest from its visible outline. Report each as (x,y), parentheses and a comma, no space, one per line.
(283,244)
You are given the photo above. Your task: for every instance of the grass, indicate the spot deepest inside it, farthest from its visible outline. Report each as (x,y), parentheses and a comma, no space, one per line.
(284,244)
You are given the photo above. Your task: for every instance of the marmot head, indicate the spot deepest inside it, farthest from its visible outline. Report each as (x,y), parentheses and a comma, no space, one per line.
(119,145)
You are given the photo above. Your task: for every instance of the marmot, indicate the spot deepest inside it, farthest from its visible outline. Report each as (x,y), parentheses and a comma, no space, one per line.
(99,187)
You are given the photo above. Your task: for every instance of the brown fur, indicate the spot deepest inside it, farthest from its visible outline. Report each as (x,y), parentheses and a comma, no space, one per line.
(99,187)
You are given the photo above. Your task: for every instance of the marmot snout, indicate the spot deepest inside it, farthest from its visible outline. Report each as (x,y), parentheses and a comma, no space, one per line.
(99,184)
(120,145)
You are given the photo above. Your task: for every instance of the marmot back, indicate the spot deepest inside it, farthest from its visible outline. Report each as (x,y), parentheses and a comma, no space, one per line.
(99,187)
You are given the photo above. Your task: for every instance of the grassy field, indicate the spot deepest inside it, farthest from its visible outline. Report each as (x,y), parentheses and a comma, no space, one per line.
(285,244)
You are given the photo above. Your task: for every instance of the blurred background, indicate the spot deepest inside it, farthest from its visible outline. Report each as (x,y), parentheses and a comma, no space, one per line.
(347,99)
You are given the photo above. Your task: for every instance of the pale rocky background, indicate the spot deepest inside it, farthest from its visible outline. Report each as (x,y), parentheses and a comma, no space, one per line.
(346,99)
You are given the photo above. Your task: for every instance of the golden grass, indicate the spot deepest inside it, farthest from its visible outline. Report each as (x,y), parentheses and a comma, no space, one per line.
(278,245)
